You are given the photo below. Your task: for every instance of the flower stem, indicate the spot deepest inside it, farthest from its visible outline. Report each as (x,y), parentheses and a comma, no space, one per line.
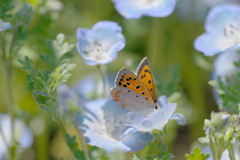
(214,152)
(83,144)
(153,44)
(103,80)
(231,152)
(10,109)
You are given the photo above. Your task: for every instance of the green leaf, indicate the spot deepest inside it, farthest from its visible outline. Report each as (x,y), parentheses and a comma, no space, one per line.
(31,76)
(78,154)
(196,154)
(24,15)
(71,142)
(5,5)
(163,153)
(48,59)
(60,75)
(58,47)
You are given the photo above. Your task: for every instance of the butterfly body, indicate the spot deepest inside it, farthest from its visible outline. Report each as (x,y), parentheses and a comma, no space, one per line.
(136,92)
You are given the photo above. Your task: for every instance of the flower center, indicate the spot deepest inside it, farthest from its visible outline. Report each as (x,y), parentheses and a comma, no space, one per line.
(113,127)
(146,3)
(232,32)
(95,51)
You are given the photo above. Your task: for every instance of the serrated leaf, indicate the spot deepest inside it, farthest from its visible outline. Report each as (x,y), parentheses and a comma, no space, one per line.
(48,59)
(163,153)
(197,154)
(58,47)
(71,141)
(78,154)
(41,97)
(49,109)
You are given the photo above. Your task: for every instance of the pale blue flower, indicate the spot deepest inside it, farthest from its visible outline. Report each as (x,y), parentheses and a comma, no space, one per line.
(156,119)
(224,64)
(196,10)
(100,44)
(22,134)
(133,9)
(67,97)
(83,91)
(224,67)
(222,30)
(4,25)
(102,124)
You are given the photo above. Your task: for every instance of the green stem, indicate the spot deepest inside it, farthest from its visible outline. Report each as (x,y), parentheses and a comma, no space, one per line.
(60,124)
(13,39)
(2,46)
(214,151)
(231,152)
(103,80)
(10,108)
(83,144)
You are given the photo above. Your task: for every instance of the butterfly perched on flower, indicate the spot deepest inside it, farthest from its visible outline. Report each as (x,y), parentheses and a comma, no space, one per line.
(136,92)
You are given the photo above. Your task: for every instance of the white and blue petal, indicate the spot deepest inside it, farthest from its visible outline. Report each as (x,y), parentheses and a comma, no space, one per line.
(133,9)
(222,30)
(22,134)
(221,17)
(100,44)
(67,97)
(4,25)
(102,125)
(155,120)
(224,67)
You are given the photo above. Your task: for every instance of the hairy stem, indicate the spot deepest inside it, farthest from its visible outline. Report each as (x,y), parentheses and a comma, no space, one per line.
(83,144)
(103,80)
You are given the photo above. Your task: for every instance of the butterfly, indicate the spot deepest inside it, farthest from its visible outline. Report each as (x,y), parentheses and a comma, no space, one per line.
(136,92)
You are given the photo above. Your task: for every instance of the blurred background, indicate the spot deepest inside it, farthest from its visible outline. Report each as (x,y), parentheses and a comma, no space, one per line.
(180,71)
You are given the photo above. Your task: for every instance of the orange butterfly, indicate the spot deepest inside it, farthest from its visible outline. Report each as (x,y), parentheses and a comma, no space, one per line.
(136,92)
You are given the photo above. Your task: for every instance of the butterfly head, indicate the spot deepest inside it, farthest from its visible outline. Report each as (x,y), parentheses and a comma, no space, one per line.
(156,105)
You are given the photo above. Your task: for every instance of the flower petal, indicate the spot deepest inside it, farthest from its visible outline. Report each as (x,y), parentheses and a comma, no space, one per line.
(180,119)
(100,44)
(133,9)
(4,25)
(221,16)
(207,43)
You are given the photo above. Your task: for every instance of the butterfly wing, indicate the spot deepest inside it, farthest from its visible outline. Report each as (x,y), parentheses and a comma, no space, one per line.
(144,74)
(131,100)
(129,90)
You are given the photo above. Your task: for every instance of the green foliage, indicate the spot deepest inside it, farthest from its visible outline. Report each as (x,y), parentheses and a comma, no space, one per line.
(43,83)
(23,16)
(229,93)
(71,141)
(162,154)
(197,154)
(222,132)
(168,84)
(79,155)
(5,5)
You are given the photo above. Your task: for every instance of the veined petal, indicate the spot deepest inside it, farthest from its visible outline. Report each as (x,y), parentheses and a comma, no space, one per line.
(4,25)
(102,125)
(133,9)
(100,44)
(221,16)
(222,30)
